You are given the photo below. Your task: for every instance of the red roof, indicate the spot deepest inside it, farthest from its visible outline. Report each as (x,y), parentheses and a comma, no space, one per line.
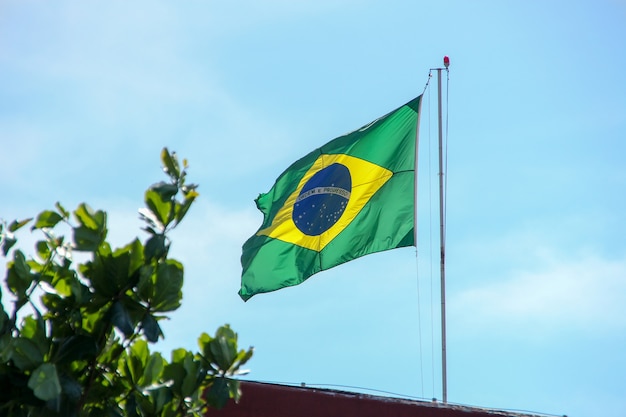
(271,400)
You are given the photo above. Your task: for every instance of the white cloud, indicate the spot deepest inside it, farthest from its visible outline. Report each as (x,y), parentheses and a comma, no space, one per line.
(580,293)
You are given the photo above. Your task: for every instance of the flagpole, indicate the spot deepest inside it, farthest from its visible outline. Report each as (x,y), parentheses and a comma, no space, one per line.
(444,378)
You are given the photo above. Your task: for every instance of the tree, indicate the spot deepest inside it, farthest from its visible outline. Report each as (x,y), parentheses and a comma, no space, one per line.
(75,341)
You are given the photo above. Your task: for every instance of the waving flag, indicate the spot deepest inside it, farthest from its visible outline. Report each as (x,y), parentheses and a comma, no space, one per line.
(351,197)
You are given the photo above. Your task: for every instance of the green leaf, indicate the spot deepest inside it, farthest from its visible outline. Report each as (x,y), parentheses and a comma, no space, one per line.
(96,272)
(151,328)
(135,250)
(136,310)
(75,348)
(117,268)
(226,332)
(153,369)
(175,372)
(47,218)
(35,330)
(161,208)
(170,164)
(121,319)
(145,285)
(80,291)
(66,284)
(54,302)
(7,244)
(179,355)
(4,322)
(136,359)
(149,229)
(235,390)
(155,248)
(15,225)
(86,239)
(95,322)
(223,352)
(93,220)
(19,277)
(193,377)
(62,211)
(71,387)
(181,209)
(25,354)
(217,395)
(112,351)
(222,349)
(113,273)
(242,357)
(168,286)
(44,381)
(43,250)
(160,397)
(188,188)
(165,189)
(130,407)
(63,287)
(104,250)
(140,350)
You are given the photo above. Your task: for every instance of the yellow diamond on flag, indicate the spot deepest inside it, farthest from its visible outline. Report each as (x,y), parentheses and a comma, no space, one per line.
(328,197)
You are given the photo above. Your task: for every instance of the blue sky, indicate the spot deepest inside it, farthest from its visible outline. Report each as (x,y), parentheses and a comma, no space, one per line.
(536,256)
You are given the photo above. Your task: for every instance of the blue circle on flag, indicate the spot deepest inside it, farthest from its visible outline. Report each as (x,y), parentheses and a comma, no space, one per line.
(322,200)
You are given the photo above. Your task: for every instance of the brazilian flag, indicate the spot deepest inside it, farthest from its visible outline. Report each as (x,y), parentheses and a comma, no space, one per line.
(351,197)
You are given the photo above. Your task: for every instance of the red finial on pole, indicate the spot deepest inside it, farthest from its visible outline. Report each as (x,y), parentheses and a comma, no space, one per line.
(446,61)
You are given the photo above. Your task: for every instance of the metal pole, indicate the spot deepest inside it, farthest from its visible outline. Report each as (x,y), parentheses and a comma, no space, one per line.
(443,250)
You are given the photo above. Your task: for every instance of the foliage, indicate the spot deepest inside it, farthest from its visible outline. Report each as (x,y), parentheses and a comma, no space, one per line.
(76,340)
